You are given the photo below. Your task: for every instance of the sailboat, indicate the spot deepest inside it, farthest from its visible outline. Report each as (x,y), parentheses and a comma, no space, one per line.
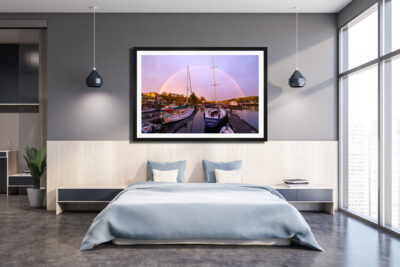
(214,114)
(182,112)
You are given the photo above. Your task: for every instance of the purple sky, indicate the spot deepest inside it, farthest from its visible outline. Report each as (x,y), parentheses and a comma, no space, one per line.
(236,75)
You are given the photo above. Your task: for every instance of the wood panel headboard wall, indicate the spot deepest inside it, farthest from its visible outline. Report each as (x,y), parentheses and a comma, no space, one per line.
(116,163)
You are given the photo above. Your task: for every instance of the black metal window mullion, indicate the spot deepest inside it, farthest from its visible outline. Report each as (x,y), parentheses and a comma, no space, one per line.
(379,59)
(358,68)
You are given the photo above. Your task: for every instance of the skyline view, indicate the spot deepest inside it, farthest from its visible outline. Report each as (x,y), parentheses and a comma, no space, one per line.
(236,75)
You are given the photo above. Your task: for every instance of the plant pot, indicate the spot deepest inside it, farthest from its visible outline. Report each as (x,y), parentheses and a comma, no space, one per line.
(36,197)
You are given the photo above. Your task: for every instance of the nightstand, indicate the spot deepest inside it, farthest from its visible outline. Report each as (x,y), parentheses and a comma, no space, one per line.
(67,196)
(18,181)
(8,166)
(308,198)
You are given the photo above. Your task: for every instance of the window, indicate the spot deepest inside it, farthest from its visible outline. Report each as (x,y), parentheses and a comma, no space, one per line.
(359,40)
(363,142)
(392,89)
(370,115)
(360,91)
(391,23)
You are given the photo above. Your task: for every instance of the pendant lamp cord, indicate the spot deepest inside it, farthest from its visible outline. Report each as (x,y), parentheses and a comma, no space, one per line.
(94,38)
(297,40)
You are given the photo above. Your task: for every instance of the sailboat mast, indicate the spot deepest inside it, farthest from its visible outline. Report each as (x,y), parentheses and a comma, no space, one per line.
(215,82)
(188,84)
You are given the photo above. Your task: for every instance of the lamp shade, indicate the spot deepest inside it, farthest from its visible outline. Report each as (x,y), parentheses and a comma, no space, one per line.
(297,79)
(94,79)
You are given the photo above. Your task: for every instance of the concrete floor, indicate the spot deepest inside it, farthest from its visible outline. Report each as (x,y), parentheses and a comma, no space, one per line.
(31,237)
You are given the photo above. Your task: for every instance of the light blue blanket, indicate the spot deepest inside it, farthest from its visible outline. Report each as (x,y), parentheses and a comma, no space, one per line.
(188,211)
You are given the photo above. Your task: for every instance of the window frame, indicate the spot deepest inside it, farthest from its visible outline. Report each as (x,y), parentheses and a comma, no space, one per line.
(345,28)
(384,122)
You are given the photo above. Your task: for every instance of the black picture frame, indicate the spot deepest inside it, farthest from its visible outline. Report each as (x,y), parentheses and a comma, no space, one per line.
(134,92)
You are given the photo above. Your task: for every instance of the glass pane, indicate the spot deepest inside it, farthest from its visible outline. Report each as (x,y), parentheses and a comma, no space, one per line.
(391,22)
(359,40)
(362,134)
(391,68)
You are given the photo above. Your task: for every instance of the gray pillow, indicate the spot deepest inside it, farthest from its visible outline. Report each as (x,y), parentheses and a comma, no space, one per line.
(210,166)
(167,166)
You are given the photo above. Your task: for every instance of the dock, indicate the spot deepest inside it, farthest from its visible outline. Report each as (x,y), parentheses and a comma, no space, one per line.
(240,126)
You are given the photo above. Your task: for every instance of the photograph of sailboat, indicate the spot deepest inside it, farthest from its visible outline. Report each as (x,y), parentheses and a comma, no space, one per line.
(178,113)
(212,93)
(214,114)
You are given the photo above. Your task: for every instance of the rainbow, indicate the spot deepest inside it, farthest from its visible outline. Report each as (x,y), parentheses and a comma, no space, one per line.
(173,76)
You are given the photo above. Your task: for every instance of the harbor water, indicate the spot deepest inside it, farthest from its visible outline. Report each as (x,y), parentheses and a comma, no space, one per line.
(195,123)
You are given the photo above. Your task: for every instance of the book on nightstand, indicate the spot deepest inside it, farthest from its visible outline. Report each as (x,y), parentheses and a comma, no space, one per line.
(296,183)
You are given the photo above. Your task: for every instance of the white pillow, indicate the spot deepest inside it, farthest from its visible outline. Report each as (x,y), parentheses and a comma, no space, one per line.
(231,176)
(165,176)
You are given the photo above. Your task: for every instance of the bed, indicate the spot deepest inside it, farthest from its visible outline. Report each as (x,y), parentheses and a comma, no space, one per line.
(199,213)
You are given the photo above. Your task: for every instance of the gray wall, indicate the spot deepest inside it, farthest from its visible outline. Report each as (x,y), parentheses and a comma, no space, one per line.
(353,9)
(76,112)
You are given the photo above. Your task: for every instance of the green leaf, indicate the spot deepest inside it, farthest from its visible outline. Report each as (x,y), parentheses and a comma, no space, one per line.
(40,158)
(36,161)
(30,152)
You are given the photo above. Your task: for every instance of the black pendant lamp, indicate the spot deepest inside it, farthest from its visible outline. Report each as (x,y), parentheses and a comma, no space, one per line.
(297,79)
(94,79)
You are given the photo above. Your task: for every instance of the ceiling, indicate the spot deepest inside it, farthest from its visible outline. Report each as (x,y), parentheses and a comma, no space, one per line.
(173,6)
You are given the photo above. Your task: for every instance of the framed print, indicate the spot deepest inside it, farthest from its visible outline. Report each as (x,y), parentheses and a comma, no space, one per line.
(193,94)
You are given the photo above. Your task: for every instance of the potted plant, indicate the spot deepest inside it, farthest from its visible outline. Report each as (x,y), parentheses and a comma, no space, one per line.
(36,161)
